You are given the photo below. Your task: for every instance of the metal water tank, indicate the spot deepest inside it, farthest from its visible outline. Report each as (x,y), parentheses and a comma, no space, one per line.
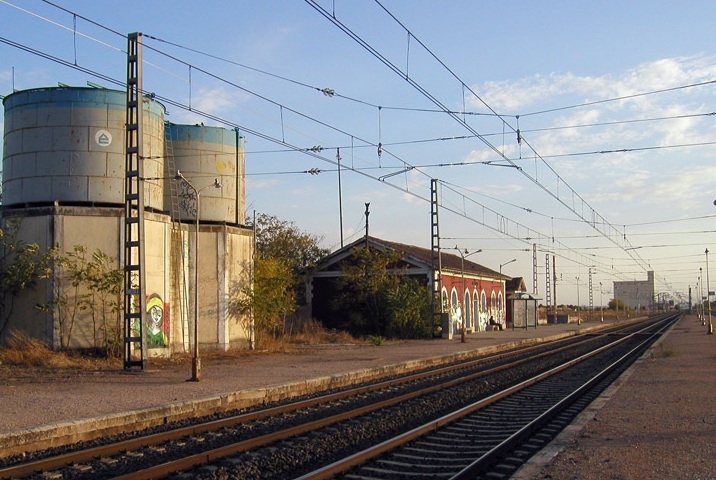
(66,145)
(204,154)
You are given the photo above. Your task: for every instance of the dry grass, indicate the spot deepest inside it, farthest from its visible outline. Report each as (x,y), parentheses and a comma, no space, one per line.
(312,333)
(21,350)
(25,351)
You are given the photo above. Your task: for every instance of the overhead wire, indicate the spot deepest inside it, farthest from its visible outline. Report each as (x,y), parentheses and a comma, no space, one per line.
(114,81)
(597,221)
(613,236)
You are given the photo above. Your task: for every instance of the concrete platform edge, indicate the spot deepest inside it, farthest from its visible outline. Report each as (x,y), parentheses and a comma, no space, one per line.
(41,437)
(534,465)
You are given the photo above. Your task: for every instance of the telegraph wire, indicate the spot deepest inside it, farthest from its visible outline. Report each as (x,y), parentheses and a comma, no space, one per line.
(625,97)
(341,26)
(207,115)
(331,93)
(598,222)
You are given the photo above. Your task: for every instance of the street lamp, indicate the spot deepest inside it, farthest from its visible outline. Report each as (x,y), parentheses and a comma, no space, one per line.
(463,255)
(506,263)
(196,361)
(601,300)
(701,296)
(708,293)
(579,320)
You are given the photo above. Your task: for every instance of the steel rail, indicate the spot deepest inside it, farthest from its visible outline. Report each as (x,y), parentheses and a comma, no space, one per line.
(64,460)
(358,458)
(193,461)
(55,462)
(480,464)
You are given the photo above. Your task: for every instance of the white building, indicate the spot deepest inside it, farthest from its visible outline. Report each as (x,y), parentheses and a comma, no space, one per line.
(636,294)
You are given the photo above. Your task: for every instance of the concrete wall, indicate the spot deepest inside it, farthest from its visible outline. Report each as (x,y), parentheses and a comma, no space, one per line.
(636,294)
(224,259)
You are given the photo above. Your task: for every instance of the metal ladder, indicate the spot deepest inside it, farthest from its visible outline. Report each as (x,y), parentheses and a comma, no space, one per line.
(534,268)
(177,235)
(435,252)
(547,283)
(134,273)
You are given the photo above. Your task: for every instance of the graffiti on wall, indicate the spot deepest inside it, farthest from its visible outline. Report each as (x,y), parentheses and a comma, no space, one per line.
(157,318)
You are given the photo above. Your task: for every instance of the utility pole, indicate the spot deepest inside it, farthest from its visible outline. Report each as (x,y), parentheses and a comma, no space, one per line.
(340,196)
(366,223)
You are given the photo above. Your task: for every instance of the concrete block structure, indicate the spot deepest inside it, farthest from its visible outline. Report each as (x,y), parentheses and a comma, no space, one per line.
(63,182)
(637,294)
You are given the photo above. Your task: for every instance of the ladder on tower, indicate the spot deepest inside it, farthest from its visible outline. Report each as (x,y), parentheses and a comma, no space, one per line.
(534,269)
(547,283)
(591,292)
(435,252)
(134,284)
(180,275)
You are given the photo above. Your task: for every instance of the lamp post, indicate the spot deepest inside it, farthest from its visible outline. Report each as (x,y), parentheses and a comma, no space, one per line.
(506,263)
(708,294)
(463,255)
(701,297)
(601,301)
(579,320)
(196,361)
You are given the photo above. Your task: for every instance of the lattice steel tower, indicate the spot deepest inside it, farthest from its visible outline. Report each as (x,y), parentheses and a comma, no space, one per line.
(134,273)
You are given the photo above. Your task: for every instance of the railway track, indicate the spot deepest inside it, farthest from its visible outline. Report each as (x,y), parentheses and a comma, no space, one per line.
(302,437)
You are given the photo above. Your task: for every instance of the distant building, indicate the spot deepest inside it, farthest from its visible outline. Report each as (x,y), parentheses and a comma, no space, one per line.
(513,285)
(637,294)
(467,288)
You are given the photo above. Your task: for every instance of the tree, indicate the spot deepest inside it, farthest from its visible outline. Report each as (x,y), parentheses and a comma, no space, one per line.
(272,297)
(282,239)
(90,286)
(410,310)
(297,250)
(282,253)
(615,304)
(375,296)
(21,266)
(105,285)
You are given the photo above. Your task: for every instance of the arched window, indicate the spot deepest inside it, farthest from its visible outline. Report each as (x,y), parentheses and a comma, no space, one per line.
(444,299)
(475,310)
(483,301)
(467,310)
(501,306)
(455,311)
(493,303)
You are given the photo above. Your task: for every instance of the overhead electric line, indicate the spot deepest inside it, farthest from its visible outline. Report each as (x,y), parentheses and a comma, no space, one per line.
(596,221)
(268,137)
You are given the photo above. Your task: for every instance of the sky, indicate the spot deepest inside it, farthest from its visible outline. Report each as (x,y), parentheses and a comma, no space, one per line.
(612,172)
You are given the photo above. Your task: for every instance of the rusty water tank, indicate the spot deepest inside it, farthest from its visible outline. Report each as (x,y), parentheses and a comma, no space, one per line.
(66,145)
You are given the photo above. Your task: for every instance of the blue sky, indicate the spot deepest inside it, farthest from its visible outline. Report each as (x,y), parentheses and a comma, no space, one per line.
(612,99)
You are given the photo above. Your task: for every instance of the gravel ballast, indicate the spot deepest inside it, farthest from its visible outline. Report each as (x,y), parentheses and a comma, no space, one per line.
(658,422)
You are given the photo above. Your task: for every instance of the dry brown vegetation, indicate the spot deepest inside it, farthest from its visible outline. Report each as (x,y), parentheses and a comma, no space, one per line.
(313,333)
(25,351)
(21,350)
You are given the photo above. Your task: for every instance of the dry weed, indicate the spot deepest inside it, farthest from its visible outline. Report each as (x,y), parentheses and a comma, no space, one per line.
(21,350)
(313,333)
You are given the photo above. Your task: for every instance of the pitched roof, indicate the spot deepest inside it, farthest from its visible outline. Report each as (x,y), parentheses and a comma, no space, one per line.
(516,284)
(450,262)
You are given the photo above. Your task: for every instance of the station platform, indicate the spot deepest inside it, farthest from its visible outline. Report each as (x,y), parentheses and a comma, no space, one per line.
(71,405)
